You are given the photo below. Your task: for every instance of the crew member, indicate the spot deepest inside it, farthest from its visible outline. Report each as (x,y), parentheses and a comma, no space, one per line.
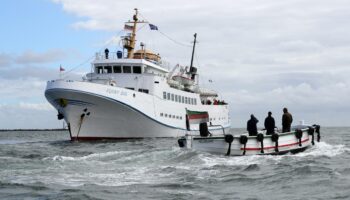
(106,53)
(251,126)
(269,124)
(287,120)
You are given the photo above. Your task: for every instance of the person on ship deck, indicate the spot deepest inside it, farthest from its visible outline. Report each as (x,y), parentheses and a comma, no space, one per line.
(269,124)
(287,120)
(251,126)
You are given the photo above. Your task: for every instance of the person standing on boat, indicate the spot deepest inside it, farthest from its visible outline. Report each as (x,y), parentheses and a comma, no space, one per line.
(269,124)
(287,120)
(251,126)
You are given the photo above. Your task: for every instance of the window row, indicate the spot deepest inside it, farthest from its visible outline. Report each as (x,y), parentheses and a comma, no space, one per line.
(140,89)
(220,118)
(179,98)
(119,69)
(170,116)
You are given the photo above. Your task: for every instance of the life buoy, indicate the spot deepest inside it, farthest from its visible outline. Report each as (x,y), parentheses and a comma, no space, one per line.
(299,134)
(260,138)
(243,140)
(274,138)
(229,140)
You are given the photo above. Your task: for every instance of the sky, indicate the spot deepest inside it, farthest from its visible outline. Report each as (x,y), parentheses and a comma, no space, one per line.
(261,55)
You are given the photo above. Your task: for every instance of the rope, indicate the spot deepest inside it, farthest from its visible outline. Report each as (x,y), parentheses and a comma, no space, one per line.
(165,35)
(176,42)
(91,57)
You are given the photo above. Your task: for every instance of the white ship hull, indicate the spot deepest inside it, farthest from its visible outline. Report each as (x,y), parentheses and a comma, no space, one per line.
(97,111)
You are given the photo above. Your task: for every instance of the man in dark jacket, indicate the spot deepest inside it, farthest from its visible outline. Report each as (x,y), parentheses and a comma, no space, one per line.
(251,126)
(269,124)
(287,120)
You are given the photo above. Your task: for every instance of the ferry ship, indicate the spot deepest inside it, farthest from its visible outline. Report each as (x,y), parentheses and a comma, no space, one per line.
(133,94)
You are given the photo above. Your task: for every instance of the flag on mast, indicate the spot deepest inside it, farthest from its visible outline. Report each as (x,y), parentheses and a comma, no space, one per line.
(197,117)
(128,27)
(153,27)
(61,69)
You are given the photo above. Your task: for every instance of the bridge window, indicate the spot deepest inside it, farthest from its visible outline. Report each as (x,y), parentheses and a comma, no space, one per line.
(195,101)
(172,97)
(107,69)
(183,99)
(175,98)
(127,69)
(137,69)
(186,102)
(117,69)
(164,95)
(99,70)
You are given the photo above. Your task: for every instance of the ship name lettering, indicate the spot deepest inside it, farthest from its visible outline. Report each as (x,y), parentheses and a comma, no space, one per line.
(112,91)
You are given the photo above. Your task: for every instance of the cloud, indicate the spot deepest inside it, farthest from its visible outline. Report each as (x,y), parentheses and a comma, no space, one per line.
(5,60)
(36,106)
(28,115)
(262,55)
(30,57)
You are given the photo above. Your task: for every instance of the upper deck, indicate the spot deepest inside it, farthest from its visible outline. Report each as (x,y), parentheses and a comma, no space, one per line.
(102,60)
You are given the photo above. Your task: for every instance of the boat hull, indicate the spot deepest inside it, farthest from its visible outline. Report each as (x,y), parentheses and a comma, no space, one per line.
(287,142)
(92,115)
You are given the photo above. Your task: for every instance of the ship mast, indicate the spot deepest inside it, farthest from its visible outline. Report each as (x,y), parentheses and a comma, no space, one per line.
(129,42)
(194,46)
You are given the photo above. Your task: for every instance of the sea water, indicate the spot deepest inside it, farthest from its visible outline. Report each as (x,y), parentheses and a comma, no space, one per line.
(47,165)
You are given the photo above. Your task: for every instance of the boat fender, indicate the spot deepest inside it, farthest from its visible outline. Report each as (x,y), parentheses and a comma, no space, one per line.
(317,130)
(229,140)
(299,135)
(260,138)
(274,138)
(181,142)
(311,132)
(203,129)
(60,116)
(243,140)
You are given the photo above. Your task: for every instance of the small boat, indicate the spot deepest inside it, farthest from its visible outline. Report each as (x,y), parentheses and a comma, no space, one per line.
(297,140)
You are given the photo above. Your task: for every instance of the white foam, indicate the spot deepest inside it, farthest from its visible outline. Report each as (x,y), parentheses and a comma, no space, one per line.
(320,149)
(324,149)
(93,156)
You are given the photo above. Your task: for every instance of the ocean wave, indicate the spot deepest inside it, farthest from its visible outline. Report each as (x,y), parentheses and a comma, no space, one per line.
(93,156)
(324,149)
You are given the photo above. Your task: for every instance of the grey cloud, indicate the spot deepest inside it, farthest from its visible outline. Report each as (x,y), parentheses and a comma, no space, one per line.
(30,57)
(15,116)
(34,72)
(261,55)
(5,60)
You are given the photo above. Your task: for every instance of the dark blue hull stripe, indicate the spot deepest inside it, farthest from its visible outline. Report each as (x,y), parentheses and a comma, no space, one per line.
(126,105)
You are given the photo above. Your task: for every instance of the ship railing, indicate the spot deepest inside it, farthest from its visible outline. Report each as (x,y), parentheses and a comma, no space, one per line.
(117,55)
(111,56)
